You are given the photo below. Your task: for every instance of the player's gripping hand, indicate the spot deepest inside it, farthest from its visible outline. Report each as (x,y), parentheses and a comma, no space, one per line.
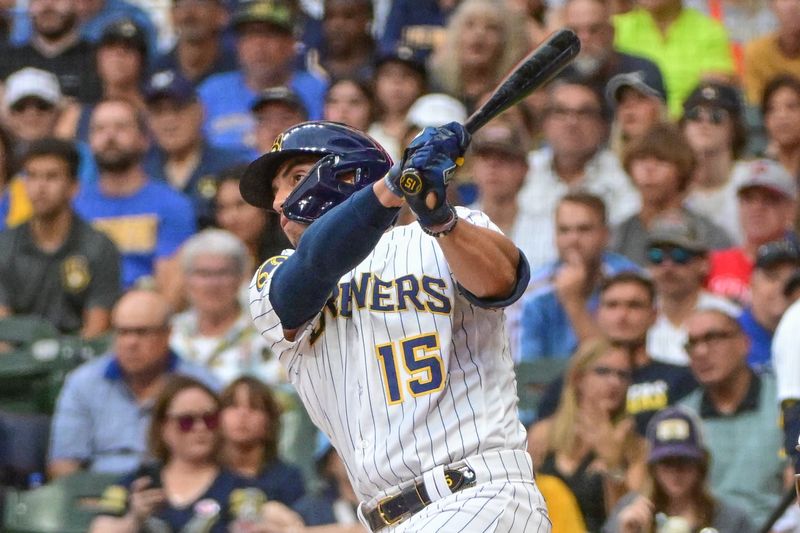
(451,140)
(423,183)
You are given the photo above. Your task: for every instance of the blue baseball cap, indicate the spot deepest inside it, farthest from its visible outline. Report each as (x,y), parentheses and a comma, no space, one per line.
(674,432)
(169,84)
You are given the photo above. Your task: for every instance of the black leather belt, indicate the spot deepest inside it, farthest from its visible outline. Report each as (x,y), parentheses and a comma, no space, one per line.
(413,499)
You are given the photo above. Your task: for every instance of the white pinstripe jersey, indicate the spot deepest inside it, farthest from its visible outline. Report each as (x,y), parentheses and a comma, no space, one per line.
(400,370)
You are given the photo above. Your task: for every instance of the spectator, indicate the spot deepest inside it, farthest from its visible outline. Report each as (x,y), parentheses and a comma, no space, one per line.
(180,155)
(56,266)
(103,410)
(482,43)
(733,400)
(347,49)
(250,435)
(590,442)
(781,109)
(775,263)
(713,125)
(121,64)
(216,331)
(200,49)
(400,78)
(558,314)
(97,15)
(625,313)
(54,44)
(265,50)
(33,106)
(678,263)
(772,55)
(685,44)
(639,104)
(275,110)
(598,60)
(14,204)
(678,464)
(258,229)
(767,205)
(336,501)
(350,102)
(147,220)
(575,129)
(417,23)
(188,484)
(661,165)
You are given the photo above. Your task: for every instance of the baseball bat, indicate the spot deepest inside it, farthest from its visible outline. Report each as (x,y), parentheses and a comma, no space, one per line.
(536,69)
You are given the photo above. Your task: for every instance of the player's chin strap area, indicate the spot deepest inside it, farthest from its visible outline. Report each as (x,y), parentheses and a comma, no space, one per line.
(411,497)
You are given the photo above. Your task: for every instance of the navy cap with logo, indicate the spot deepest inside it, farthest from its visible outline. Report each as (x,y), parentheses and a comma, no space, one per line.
(715,94)
(642,81)
(282,95)
(674,432)
(777,253)
(126,33)
(169,84)
(407,55)
(277,13)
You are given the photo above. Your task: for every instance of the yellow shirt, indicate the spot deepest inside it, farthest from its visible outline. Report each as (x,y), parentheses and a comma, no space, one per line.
(763,60)
(693,45)
(19,208)
(565,514)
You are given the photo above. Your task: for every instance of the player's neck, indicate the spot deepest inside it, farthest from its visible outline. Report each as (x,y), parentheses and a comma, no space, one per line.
(244,459)
(122,183)
(50,233)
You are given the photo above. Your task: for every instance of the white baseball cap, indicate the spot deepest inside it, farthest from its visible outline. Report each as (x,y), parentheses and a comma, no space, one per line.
(32,82)
(435,110)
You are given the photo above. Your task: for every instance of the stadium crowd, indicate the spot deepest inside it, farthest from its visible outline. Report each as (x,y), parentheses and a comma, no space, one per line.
(653,187)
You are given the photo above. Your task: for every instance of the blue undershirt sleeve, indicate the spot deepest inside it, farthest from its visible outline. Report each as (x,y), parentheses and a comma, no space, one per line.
(332,245)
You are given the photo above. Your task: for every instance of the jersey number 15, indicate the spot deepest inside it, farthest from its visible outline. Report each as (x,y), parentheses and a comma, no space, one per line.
(422,358)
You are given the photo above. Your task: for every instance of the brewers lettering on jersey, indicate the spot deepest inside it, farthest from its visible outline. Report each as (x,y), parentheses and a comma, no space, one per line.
(394,336)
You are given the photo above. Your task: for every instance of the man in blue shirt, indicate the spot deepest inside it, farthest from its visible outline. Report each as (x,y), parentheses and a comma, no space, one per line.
(558,312)
(103,411)
(775,264)
(147,220)
(180,155)
(265,49)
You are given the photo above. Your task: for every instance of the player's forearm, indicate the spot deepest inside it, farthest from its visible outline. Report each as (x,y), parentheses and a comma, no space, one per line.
(330,247)
(483,261)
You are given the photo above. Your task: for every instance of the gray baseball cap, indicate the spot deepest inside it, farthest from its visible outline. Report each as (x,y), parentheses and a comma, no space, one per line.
(770,175)
(677,229)
(638,80)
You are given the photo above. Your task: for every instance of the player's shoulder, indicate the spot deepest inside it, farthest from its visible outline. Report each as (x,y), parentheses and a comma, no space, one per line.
(265,270)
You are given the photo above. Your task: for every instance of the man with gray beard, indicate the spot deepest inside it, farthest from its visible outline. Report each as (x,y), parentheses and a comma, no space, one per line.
(147,220)
(55,45)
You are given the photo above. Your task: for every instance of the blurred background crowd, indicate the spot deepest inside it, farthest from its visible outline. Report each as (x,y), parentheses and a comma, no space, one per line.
(653,187)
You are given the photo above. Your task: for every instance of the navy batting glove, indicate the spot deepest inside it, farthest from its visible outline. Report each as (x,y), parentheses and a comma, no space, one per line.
(451,139)
(423,183)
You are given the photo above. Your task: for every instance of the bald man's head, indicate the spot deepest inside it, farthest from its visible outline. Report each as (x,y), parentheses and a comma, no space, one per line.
(141,323)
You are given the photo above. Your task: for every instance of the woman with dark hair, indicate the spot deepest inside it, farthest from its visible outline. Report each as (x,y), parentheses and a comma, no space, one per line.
(187,484)
(250,432)
(258,229)
(590,442)
(780,106)
(350,101)
(676,496)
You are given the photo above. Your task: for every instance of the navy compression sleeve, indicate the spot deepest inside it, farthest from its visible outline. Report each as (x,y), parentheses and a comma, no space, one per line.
(332,246)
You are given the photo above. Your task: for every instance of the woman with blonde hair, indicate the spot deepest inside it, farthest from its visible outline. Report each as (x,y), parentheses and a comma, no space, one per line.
(591,442)
(482,42)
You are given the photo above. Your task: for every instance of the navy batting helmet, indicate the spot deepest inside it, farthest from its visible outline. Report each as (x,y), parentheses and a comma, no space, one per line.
(350,160)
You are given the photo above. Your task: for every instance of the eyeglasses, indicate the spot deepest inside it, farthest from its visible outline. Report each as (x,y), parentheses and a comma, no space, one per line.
(39,105)
(582,113)
(187,421)
(602,371)
(143,331)
(714,115)
(679,256)
(711,338)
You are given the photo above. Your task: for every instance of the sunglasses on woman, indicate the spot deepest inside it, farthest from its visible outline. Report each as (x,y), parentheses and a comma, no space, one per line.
(187,421)
(714,115)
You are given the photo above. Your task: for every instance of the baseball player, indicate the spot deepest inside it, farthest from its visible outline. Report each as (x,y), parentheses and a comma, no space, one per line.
(393,336)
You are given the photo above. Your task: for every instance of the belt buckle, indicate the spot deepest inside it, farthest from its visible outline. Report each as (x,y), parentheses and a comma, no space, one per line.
(382,513)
